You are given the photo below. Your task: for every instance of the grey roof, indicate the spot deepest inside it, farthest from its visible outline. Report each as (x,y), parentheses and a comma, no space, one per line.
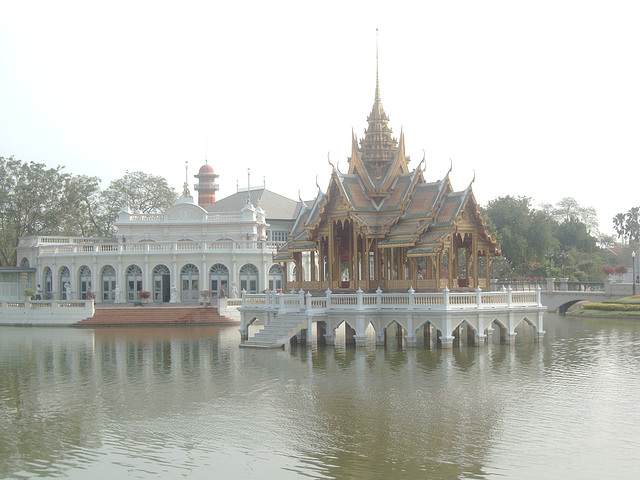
(275,206)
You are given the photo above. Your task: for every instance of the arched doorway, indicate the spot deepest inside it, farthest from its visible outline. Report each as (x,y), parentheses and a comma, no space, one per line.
(276,278)
(161,284)
(84,281)
(219,279)
(189,279)
(108,282)
(134,282)
(249,276)
(65,279)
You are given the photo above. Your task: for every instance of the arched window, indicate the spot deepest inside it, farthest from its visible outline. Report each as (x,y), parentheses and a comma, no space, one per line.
(219,279)
(48,282)
(249,276)
(24,263)
(161,284)
(108,283)
(134,282)
(189,279)
(276,278)
(65,279)
(84,281)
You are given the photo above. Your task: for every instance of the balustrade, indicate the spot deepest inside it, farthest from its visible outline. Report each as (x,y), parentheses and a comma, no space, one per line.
(382,301)
(46,248)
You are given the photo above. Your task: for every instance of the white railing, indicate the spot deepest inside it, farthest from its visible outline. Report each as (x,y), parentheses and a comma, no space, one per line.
(155,247)
(45,312)
(445,300)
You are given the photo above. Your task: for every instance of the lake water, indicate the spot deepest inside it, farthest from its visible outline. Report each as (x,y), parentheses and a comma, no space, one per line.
(189,403)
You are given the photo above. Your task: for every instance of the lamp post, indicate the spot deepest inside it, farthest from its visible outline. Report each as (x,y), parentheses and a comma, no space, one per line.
(633,269)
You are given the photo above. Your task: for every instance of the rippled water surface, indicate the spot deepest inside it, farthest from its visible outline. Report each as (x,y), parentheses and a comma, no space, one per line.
(189,403)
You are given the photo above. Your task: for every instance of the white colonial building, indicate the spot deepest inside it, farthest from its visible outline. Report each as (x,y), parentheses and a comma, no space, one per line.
(225,246)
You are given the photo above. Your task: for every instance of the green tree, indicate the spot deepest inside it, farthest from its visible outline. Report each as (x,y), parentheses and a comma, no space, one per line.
(141,192)
(627,226)
(572,233)
(525,234)
(35,200)
(550,241)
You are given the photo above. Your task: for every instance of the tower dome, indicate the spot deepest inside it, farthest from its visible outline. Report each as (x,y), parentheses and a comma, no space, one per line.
(206,169)
(206,186)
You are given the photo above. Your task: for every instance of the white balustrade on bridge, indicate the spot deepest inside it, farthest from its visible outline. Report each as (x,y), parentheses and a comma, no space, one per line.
(379,301)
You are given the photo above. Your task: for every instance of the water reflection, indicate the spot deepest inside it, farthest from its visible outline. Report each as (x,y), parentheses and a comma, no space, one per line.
(169,402)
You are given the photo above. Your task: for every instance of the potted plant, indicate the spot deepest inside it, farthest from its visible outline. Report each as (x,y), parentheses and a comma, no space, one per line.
(206,295)
(29,293)
(621,270)
(144,296)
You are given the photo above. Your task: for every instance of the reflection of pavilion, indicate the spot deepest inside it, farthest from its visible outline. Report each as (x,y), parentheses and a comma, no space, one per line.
(381,225)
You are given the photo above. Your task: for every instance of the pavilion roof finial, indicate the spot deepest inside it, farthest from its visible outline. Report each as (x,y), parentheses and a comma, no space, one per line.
(377,98)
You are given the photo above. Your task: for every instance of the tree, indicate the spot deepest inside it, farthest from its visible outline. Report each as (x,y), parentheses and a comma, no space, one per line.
(618,225)
(632,225)
(627,226)
(550,241)
(81,212)
(141,192)
(572,233)
(35,200)
(569,209)
(525,234)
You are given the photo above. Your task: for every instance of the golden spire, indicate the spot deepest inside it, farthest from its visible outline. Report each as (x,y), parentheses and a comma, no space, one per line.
(378,146)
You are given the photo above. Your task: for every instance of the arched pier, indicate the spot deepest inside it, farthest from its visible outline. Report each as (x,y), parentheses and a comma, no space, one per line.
(442,314)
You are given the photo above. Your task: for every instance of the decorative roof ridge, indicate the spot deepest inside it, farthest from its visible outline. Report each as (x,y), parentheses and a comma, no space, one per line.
(315,207)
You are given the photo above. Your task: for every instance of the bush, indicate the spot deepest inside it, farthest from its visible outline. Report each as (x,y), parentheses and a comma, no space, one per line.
(608,270)
(610,307)
(29,292)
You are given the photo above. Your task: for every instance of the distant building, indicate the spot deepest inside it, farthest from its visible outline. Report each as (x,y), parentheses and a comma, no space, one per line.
(225,246)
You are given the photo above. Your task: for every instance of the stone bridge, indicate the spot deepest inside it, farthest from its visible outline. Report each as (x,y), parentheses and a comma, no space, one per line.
(559,295)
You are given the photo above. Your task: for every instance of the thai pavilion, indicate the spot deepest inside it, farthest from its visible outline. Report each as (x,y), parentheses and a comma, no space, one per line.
(381,225)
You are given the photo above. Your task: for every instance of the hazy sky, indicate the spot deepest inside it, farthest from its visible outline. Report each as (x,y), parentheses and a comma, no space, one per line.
(541,99)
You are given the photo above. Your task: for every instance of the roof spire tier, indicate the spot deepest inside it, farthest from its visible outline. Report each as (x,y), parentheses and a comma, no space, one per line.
(378,145)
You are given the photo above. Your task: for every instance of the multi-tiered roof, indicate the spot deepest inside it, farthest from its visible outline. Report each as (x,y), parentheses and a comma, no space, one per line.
(389,204)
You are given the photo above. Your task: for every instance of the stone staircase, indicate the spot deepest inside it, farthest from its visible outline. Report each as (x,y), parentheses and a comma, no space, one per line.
(278,332)
(151,316)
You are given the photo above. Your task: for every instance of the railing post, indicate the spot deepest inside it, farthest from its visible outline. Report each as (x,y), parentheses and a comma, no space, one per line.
(445,301)
(308,300)
(411,299)
(301,304)
(509,296)
(281,304)
(539,296)
(550,284)
(478,297)
(328,298)
(379,298)
(242,296)
(359,299)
